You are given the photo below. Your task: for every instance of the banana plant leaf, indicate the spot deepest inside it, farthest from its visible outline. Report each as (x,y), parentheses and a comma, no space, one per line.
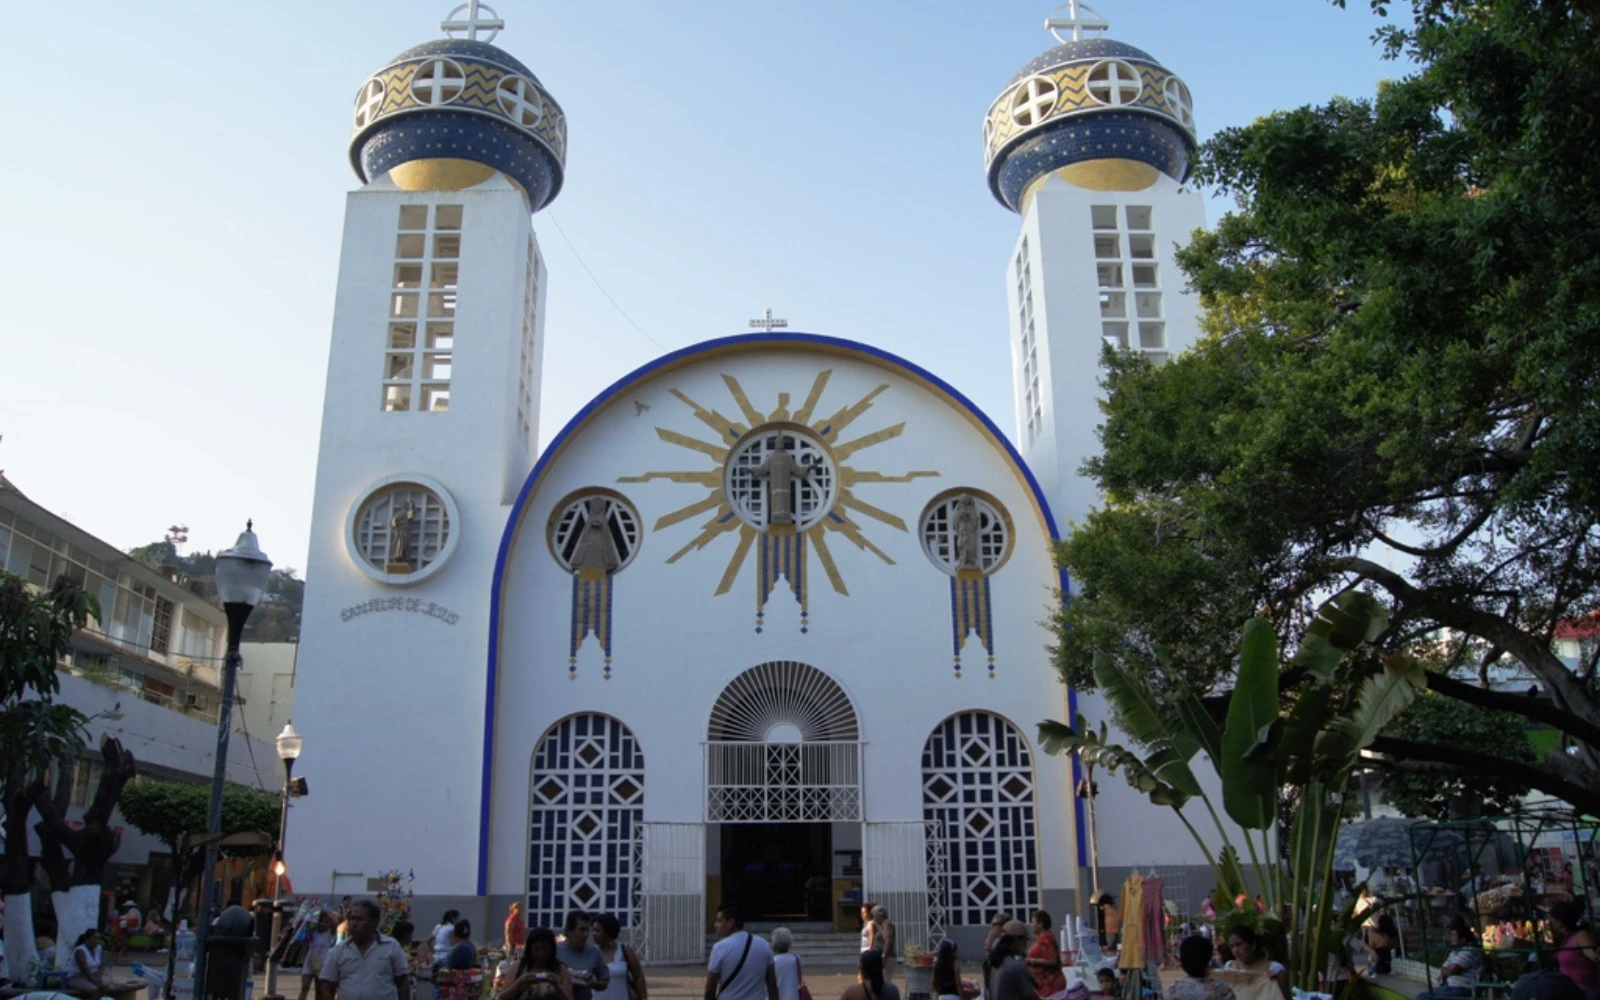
(1249,773)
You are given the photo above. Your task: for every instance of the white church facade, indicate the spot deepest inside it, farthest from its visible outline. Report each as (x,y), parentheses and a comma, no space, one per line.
(762,623)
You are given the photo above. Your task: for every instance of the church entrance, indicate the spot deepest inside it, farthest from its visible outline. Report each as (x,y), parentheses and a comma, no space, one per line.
(778,871)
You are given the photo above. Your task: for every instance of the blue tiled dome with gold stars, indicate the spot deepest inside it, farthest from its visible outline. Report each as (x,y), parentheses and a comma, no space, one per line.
(1099,113)
(448,114)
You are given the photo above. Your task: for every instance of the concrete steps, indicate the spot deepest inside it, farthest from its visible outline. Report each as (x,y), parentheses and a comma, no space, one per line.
(818,945)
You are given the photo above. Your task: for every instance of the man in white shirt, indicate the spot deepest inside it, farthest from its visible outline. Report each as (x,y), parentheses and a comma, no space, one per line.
(366,965)
(741,963)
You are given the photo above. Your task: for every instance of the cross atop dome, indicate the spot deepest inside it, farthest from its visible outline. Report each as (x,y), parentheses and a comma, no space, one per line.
(480,18)
(1080,18)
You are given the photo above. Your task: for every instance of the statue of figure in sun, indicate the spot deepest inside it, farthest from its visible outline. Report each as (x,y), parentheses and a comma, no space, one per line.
(780,470)
(403,517)
(966,525)
(596,552)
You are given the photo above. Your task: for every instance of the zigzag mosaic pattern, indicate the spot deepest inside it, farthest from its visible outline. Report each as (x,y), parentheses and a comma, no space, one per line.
(1072,87)
(479,92)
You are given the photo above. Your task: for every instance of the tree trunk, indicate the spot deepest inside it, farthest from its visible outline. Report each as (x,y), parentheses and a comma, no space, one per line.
(20,951)
(77,910)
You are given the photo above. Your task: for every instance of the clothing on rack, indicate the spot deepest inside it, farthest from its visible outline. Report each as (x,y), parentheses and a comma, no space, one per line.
(1154,918)
(1132,954)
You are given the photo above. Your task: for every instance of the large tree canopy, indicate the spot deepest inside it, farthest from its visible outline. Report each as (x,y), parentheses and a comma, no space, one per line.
(168,810)
(1395,389)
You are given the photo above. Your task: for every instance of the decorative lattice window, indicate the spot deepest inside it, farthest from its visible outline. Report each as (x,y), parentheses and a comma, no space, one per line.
(420,353)
(438,81)
(1032,400)
(1114,82)
(1034,100)
(402,530)
(755,474)
(369,102)
(161,628)
(1178,100)
(978,783)
(587,815)
(609,548)
(966,530)
(520,99)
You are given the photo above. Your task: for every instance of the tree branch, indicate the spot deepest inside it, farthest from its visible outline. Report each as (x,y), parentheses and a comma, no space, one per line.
(1409,754)
(1532,707)
(1529,649)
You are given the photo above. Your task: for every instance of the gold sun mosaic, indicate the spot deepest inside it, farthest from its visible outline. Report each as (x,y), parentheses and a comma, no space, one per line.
(781,485)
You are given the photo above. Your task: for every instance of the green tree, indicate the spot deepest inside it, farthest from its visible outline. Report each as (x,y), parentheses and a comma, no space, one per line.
(171,810)
(278,617)
(1447,722)
(1397,387)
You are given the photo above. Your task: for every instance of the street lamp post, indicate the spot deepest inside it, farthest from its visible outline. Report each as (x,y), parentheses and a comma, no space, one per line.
(242,573)
(289,743)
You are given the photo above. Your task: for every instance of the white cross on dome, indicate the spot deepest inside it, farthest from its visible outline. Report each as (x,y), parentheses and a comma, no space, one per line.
(1080,18)
(480,18)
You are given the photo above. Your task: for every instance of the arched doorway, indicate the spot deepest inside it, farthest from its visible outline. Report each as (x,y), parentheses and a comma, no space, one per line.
(587,803)
(783,765)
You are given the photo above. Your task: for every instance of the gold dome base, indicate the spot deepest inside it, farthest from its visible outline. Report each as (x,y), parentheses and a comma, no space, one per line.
(440,174)
(1098,175)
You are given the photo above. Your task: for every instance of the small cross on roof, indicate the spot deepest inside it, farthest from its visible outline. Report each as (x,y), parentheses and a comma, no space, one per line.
(1080,18)
(480,18)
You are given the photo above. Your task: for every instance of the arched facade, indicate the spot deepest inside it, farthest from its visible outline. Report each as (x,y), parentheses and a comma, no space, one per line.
(586,795)
(978,785)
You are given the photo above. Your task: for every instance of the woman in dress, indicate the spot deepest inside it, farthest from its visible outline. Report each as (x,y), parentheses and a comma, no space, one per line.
(516,932)
(540,975)
(786,965)
(87,979)
(626,972)
(318,941)
(1249,956)
(1044,957)
(1194,957)
(870,984)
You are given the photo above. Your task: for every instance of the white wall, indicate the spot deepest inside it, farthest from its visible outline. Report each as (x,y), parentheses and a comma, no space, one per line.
(391,703)
(1060,233)
(676,645)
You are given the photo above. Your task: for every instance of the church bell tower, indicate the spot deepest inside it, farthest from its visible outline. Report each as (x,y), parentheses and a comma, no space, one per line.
(429,429)
(1089,144)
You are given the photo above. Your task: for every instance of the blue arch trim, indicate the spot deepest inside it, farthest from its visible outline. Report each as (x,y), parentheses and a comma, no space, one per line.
(736,343)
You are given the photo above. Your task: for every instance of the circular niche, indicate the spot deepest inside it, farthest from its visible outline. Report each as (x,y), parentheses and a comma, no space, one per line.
(780,475)
(965,530)
(609,546)
(403,529)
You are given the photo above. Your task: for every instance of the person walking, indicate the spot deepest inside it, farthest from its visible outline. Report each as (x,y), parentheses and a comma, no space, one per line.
(622,963)
(1009,978)
(1044,958)
(1194,957)
(516,932)
(582,957)
(871,984)
(883,941)
(366,965)
(740,967)
(868,928)
(786,965)
(540,975)
(318,942)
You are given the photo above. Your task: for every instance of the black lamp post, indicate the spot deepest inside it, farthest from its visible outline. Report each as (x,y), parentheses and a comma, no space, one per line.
(289,744)
(242,575)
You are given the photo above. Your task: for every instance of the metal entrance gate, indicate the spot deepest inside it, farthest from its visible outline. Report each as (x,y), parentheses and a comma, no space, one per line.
(904,871)
(672,916)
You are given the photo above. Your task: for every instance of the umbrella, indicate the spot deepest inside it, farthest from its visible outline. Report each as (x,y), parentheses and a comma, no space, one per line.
(1387,842)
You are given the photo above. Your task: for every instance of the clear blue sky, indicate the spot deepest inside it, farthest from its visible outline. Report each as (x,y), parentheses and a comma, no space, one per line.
(174,174)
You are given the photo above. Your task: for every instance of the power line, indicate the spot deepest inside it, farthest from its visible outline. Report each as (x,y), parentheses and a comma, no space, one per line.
(622,312)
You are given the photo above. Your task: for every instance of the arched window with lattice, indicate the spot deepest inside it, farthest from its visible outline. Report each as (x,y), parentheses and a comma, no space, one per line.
(978,783)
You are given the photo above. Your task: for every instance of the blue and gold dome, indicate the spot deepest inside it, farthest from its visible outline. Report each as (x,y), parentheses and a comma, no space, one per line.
(450,113)
(1098,113)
